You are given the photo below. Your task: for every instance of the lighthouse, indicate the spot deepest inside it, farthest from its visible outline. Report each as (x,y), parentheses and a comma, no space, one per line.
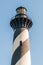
(21,24)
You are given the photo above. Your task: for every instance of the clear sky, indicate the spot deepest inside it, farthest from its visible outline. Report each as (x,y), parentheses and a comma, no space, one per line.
(35,12)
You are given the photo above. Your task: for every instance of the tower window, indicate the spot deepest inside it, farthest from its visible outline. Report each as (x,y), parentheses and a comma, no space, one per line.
(20,43)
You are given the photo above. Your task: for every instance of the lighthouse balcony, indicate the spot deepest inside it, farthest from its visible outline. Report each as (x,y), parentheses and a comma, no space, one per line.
(21,22)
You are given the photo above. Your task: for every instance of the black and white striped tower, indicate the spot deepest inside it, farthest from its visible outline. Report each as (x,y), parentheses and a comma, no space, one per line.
(21,45)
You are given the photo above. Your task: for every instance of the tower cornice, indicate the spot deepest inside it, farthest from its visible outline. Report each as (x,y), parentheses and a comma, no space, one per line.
(21,19)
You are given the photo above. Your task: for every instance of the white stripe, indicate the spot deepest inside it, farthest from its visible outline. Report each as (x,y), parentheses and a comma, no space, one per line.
(25,60)
(21,37)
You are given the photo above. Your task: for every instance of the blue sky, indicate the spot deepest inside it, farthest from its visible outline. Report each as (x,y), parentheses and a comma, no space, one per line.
(35,12)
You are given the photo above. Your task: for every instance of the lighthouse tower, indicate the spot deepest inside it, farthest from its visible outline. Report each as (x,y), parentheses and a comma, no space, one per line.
(21,45)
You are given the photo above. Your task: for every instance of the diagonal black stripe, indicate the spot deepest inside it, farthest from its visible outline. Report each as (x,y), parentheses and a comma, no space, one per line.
(16,56)
(19,52)
(17,32)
